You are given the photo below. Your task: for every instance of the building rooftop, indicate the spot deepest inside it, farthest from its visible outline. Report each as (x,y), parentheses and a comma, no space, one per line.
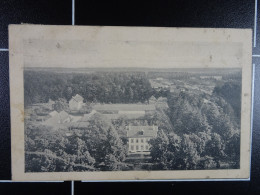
(162,99)
(153,98)
(77,98)
(63,115)
(51,101)
(87,117)
(53,113)
(123,107)
(56,118)
(142,131)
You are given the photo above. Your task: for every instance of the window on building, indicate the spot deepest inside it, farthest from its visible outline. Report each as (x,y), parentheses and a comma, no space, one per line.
(142,141)
(137,147)
(147,140)
(136,140)
(146,147)
(132,140)
(142,148)
(132,147)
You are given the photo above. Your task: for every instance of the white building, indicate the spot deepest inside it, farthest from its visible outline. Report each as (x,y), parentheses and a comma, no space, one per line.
(58,118)
(76,103)
(138,138)
(152,100)
(53,113)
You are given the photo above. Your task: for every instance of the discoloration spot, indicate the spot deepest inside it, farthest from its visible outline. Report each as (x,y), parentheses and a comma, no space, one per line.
(210,58)
(228,37)
(20,107)
(246,94)
(207,177)
(58,45)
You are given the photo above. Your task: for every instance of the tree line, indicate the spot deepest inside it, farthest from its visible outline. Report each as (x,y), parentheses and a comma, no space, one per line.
(103,87)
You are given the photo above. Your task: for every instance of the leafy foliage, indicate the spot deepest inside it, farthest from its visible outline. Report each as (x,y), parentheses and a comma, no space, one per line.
(207,129)
(104,87)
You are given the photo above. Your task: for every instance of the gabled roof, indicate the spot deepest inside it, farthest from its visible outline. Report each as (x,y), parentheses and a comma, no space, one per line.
(152,98)
(53,113)
(77,98)
(63,115)
(142,131)
(86,117)
(56,118)
(162,99)
(123,107)
(51,101)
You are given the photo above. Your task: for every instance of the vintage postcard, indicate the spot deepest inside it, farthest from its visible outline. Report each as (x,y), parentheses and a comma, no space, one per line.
(129,103)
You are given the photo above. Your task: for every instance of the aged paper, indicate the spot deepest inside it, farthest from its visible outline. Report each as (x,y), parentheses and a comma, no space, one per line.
(129,103)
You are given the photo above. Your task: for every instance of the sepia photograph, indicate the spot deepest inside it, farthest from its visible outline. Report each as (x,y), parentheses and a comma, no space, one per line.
(123,120)
(129,103)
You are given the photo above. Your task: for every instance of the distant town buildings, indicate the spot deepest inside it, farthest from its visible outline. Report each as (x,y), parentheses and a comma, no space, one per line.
(138,138)
(211,77)
(159,84)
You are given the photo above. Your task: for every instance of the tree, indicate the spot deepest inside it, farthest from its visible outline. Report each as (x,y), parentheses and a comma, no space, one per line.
(188,153)
(61,104)
(233,149)
(77,146)
(231,92)
(215,148)
(68,93)
(159,150)
(115,151)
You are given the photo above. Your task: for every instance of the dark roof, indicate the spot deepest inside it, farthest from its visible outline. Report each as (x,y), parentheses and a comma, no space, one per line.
(123,107)
(142,131)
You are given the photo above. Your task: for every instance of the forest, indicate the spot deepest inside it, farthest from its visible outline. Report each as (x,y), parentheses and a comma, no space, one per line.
(196,131)
(202,135)
(103,87)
